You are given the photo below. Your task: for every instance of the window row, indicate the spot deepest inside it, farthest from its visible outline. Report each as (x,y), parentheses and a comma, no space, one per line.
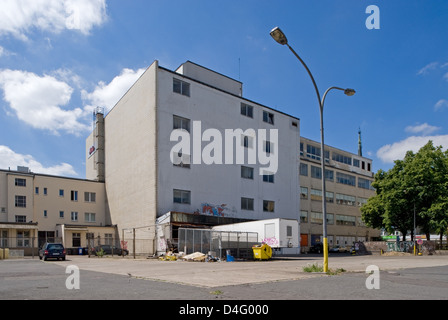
(314,152)
(332,219)
(343,178)
(74,216)
(183,88)
(316,194)
(184,197)
(248,111)
(88,196)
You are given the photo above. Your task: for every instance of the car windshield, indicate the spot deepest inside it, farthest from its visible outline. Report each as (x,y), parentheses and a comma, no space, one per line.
(55,246)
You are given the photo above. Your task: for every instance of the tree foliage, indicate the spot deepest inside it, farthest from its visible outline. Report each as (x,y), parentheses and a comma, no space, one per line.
(418,183)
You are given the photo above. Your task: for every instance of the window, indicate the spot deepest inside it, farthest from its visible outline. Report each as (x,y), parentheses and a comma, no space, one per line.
(268,117)
(317,217)
(181,87)
(74,216)
(23,238)
(361,201)
(108,239)
(89,217)
(268,206)
(20,201)
(61,214)
(316,194)
(247,110)
(181,196)
(303,193)
(329,175)
(329,197)
(181,160)
(45,191)
(61,192)
(74,195)
(20,182)
(181,123)
(316,172)
(247,142)
(89,196)
(364,183)
(269,147)
(356,162)
(313,152)
(247,204)
(343,220)
(341,158)
(289,231)
(247,172)
(345,179)
(36,190)
(45,213)
(345,199)
(268,177)
(303,169)
(76,239)
(20,218)
(303,216)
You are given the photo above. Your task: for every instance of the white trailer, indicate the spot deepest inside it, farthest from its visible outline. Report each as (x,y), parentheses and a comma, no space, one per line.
(283,235)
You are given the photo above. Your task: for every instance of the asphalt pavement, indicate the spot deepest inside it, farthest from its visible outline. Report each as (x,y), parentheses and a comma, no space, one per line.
(117,278)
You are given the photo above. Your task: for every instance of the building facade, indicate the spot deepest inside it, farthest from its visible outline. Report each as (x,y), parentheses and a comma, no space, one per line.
(147,174)
(35,208)
(348,186)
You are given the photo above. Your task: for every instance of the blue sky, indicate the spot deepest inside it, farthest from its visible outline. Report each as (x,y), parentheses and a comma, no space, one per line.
(60,59)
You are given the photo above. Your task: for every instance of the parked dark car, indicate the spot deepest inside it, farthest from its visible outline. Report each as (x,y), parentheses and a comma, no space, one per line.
(52,251)
(108,249)
(317,248)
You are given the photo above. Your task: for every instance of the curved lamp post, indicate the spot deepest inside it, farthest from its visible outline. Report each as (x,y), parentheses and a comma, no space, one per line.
(280,37)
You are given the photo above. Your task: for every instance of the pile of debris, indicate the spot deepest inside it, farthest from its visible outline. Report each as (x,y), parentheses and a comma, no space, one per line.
(196,256)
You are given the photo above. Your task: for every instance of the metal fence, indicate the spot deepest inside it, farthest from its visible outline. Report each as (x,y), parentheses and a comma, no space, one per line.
(18,246)
(237,244)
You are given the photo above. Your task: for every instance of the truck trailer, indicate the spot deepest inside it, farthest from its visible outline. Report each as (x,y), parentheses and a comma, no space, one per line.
(282,235)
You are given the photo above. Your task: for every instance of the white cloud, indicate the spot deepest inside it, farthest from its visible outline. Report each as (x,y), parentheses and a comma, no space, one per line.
(107,95)
(427,68)
(38,100)
(424,129)
(18,17)
(396,151)
(441,104)
(11,159)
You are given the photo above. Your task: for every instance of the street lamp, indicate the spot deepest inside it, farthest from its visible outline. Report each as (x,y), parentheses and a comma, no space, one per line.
(280,37)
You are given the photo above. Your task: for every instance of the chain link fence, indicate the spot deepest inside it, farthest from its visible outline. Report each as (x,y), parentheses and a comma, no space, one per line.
(220,243)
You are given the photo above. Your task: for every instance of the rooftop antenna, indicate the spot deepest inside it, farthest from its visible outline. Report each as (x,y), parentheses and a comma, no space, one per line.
(359,143)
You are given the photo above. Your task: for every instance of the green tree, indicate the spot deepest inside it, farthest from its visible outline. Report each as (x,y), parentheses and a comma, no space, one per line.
(416,185)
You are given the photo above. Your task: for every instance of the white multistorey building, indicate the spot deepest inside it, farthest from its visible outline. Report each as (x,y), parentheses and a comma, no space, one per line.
(188,142)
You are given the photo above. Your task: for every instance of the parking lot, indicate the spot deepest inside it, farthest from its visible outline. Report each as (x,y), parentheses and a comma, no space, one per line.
(216,274)
(107,278)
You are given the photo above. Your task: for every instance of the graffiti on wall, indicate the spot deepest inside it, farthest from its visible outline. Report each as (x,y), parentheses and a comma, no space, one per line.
(270,241)
(401,246)
(221,210)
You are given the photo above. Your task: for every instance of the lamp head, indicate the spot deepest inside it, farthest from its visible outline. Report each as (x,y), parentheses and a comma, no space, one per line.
(279,36)
(349,92)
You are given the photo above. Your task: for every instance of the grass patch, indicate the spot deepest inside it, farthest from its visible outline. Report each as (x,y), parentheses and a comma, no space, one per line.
(317,268)
(216,292)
